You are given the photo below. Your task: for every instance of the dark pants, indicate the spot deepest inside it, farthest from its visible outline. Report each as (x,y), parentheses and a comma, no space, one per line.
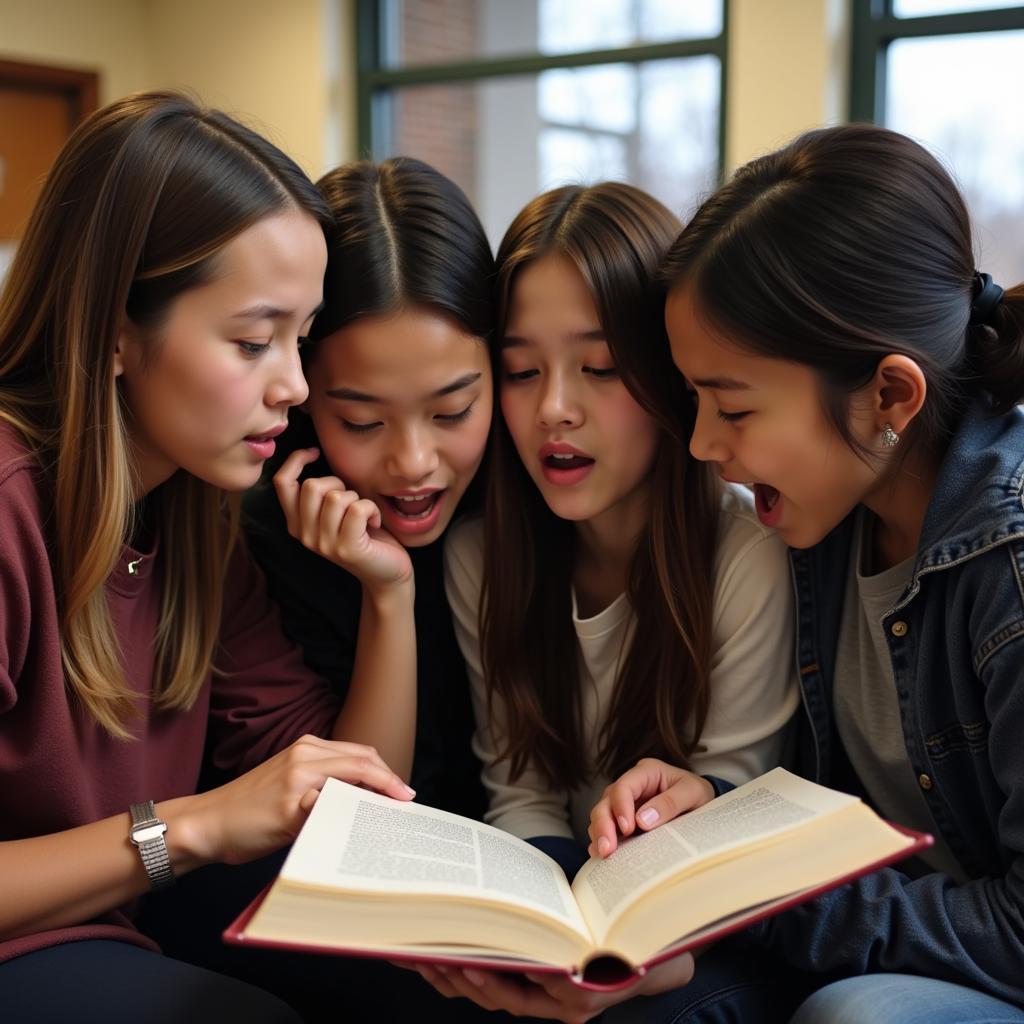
(187,921)
(732,984)
(118,983)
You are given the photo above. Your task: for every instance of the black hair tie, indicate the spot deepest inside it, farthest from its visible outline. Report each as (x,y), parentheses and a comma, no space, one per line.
(986,295)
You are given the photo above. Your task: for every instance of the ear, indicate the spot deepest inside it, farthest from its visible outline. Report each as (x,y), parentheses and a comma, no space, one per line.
(898,390)
(127,338)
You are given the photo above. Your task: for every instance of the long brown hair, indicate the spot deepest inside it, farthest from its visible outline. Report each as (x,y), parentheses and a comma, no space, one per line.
(846,245)
(140,201)
(615,235)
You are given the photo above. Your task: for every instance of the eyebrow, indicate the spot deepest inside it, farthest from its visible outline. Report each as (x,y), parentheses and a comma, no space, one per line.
(720,384)
(515,341)
(264,311)
(351,395)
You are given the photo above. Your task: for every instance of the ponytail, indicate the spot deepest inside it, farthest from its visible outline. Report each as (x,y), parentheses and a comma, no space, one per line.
(844,246)
(996,348)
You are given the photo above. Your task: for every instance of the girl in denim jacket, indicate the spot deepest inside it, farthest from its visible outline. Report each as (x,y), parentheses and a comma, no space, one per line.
(850,363)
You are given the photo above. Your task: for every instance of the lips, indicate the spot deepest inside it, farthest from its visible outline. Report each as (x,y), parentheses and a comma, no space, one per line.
(558,455)
(262,445)
(413,514)
(414,506)
(564,465)
(267,435)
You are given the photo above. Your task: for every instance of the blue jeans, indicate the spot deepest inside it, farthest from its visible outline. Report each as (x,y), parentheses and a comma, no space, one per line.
(903,999)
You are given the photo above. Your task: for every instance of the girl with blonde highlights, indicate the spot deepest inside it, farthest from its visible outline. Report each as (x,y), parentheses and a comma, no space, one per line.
(149,334)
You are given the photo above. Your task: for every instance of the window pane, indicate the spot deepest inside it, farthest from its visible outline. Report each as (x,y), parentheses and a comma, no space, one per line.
(506,139)
(670,19)
(585,157)
(419,32)
(567,26)
(678,151)
(920,8)
(602,97)
(951,93)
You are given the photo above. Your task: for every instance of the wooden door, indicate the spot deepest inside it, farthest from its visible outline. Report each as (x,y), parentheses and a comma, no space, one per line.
(39,108)
(33,127)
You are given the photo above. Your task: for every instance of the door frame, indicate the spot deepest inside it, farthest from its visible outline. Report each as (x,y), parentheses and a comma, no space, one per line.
(79,88)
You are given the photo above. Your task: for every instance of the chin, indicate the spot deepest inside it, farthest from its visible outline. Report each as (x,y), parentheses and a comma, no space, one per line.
(572,512)
(420,540)
(235,479)
(802,539)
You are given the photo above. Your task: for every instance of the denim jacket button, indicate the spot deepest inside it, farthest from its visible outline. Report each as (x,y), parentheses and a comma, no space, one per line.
(899,628)
(924,781)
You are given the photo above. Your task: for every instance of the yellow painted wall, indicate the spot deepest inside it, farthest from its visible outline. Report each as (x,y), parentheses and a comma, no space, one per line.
(265,60)
(788,71)
(107,36)
(284,66)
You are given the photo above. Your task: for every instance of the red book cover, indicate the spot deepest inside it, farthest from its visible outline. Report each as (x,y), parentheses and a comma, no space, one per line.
(603,973)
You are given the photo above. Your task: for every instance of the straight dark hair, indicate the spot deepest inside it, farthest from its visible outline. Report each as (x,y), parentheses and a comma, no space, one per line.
(405,235)
(615,236)
(846,245)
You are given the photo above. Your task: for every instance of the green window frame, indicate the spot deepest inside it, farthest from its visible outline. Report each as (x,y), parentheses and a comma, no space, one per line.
(875,26)
(374,80)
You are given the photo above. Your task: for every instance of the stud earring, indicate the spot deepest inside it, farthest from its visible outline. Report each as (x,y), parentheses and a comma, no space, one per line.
(889,437)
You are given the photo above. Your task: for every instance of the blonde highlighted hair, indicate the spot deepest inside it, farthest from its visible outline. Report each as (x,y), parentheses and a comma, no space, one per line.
(139,203)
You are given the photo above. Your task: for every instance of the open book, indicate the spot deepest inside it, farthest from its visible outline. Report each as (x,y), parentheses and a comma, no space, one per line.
(371,876)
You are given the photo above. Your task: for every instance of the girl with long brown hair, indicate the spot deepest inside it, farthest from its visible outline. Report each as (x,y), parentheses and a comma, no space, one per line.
(617,601)
(149,332)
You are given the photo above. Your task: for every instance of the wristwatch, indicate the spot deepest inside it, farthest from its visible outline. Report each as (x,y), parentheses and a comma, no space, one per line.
(147,833)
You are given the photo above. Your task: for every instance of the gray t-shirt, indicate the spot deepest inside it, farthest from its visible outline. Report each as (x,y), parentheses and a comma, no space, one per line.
(866,707)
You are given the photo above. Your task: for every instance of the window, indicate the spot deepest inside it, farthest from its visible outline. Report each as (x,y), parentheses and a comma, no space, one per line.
(510,99)
(948,73)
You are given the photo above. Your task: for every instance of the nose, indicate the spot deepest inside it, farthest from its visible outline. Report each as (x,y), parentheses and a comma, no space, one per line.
(558,403)
(288,386)
(708,442)
(412,455)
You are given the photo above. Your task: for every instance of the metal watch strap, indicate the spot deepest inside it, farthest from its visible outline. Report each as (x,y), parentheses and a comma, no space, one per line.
(147,833)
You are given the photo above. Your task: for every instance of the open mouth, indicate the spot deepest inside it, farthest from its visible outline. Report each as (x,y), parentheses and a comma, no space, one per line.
(766,502)
(418,506)
(262,445)
(566,461)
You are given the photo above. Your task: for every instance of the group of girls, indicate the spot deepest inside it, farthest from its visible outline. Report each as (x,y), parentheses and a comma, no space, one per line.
(808,386)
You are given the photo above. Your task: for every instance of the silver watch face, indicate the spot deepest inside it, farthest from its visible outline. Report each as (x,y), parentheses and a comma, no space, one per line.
(147,834)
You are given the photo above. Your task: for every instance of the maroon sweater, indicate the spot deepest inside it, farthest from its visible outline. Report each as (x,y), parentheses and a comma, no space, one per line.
(58,768)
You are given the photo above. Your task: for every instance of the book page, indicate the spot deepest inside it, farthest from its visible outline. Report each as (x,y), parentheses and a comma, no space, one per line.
(772,805)
(359,841)
(756,879)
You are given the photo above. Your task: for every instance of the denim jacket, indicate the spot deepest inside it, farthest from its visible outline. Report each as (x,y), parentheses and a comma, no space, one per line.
(956,640)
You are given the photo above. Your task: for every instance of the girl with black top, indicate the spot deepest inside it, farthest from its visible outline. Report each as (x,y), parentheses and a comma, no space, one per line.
(398,415)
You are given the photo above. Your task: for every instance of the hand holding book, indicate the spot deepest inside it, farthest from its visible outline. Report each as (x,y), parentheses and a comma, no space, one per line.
(551,996)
